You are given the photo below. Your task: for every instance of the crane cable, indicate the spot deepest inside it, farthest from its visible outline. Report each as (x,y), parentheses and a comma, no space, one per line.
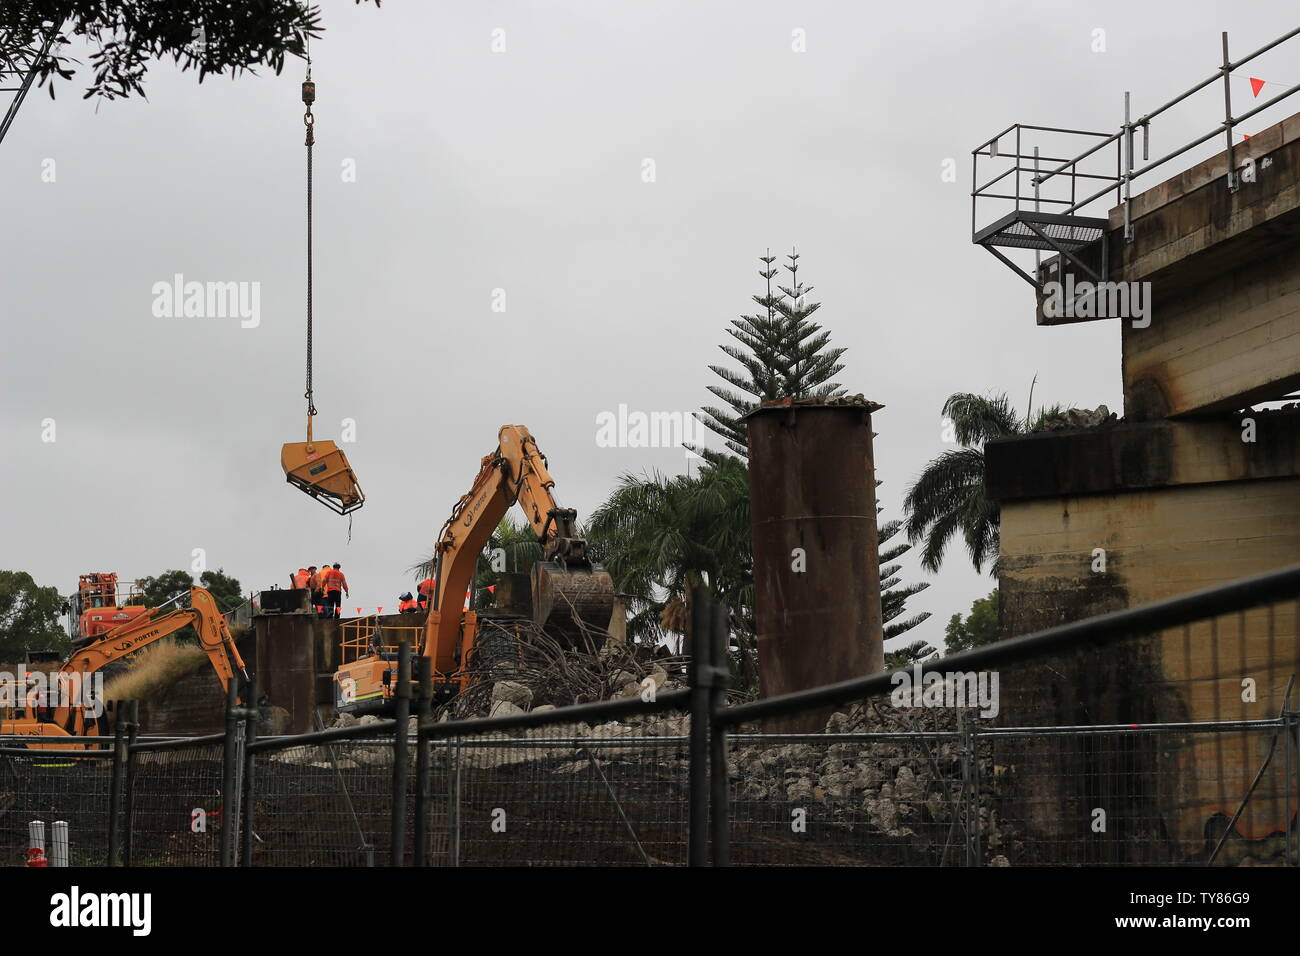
(309,97)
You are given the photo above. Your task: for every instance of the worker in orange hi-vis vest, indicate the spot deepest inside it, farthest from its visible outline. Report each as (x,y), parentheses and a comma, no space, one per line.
(317,592)
(299,580)
(336,585)
(406,604)
(425,588)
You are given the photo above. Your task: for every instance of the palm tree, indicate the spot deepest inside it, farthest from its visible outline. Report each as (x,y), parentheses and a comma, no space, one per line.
(948,497)
(659,536)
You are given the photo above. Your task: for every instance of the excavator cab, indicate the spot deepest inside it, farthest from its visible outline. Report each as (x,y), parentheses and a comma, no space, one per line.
(321,470)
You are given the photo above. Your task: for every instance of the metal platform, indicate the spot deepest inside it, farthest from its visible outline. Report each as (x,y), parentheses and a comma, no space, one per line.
(1053,232)
(1040,168)
(1078,240)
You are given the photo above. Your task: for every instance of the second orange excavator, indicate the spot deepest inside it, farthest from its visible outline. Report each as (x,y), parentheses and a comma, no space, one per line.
(569,589)
(63,706)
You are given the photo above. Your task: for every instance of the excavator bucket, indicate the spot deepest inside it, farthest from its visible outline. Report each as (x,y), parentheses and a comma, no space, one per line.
(568,600)
(322,470)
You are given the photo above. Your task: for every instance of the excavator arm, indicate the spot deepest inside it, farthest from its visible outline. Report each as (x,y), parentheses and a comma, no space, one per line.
(516,472)
(567,586)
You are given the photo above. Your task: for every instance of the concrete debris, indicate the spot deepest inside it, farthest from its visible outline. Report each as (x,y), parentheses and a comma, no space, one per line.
(371,755)
(1080,418)
(854,401)
(512,692)
(505,708)
(300,756)
(892,782)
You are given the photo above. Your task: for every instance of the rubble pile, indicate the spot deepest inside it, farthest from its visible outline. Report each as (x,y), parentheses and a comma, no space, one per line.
(1080,418)
(901,788)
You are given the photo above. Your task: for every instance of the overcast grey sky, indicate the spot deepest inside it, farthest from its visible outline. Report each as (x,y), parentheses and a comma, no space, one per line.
(522,170)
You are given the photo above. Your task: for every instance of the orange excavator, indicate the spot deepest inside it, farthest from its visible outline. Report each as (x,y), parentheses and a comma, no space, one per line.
(69,708)
(568,588)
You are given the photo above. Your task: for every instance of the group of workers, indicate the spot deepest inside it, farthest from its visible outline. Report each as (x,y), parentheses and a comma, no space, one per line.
(327,586)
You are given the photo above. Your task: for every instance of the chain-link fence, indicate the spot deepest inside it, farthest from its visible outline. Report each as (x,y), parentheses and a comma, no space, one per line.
(936,765)
(48,787)
(174,807)
(982,796)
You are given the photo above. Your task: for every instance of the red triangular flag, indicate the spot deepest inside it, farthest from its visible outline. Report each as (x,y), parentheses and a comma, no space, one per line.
(379,610)
(1256,85)
(358,612)
(1245,136)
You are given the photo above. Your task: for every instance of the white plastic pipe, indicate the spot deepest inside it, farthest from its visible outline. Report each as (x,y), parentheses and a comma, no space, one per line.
(36,835)
(59,843)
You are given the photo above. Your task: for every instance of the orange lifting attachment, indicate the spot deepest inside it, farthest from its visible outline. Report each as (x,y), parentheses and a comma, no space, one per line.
(322,470)
(318,467)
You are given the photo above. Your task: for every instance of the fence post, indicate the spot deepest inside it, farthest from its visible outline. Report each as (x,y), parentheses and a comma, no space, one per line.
(132,726)
(963,806)
(422,759)
(247,788)
(1292,777)
(1295,780)
(115,785)
(719,809)
(229,800)
(699,781)
(453,801)
(969,789)
(1227,114)
(403,698)
(977,849)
